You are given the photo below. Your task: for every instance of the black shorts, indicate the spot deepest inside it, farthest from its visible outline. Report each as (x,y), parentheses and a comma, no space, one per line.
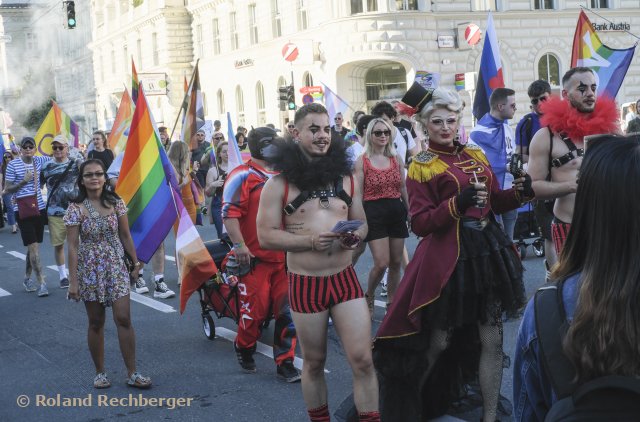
(386,218)
(543,218)
(32,229)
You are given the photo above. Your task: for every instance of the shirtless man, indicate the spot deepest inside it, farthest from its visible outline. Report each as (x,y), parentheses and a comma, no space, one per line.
(322,281)
(575,116)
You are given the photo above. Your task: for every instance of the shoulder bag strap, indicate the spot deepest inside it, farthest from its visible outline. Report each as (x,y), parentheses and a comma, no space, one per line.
(551,328)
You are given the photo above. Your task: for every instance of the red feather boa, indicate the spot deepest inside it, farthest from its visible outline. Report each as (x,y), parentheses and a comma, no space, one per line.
(560,116)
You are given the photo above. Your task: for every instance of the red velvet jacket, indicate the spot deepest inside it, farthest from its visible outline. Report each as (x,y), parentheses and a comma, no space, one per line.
(436,176)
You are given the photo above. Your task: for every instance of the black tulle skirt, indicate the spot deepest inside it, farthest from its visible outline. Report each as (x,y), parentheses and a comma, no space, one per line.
(486,281)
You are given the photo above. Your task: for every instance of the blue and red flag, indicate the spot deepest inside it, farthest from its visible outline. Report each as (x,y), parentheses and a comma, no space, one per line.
(490,75)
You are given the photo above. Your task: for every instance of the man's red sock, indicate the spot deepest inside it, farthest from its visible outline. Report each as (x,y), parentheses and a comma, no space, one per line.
(320,414)
(369,416)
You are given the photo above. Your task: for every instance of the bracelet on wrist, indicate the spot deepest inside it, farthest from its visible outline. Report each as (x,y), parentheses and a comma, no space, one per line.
(238,245)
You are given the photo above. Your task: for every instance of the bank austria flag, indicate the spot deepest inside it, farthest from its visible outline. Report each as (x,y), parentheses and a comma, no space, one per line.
(490,75)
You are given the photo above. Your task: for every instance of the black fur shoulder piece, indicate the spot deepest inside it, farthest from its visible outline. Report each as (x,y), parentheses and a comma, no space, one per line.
(308,174)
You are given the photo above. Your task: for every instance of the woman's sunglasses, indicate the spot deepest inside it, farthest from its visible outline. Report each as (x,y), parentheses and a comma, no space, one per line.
(381,132)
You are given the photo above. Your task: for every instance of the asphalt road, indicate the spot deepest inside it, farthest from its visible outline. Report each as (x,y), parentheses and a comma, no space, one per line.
(44,357)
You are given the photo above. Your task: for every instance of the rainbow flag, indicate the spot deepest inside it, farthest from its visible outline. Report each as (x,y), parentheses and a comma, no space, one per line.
(120,130)
(195,265)
(144,183)
(459,81)
(135,85)
(490,75)
(57,122)
(610,65)
(194,113)
(186,85)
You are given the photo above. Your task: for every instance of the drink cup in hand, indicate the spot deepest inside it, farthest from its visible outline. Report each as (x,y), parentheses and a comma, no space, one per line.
(482,201)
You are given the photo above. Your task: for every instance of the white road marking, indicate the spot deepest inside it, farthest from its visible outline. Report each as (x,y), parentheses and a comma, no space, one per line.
(261,348)
(380,304)
(1,246)
(147,301)
(169,258)
(152,303)
(4,293)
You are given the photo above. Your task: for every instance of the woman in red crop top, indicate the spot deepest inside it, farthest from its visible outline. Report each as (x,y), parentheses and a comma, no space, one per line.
(381,176)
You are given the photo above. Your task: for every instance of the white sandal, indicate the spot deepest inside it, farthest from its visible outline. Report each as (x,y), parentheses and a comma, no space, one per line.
(101,381)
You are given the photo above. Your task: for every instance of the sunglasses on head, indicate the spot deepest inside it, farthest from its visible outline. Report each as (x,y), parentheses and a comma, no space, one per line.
(381,132)
(535,101)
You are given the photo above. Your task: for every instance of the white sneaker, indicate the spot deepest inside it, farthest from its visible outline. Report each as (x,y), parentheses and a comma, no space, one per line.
(141,286)
(384,284)
(162,291)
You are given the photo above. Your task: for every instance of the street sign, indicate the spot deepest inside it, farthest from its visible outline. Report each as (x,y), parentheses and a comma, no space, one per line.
(5,38)
(290,52)
(153,83)
(307,99)
(311,90)
(472,34)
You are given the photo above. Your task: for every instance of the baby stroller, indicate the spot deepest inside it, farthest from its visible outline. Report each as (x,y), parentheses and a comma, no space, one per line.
(219,294)
(527,232)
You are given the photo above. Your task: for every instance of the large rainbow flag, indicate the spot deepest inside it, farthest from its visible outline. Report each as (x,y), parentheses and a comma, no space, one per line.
(144,184)
(610,65)
(57,122)
(490,74)
(120,130)
(194,113)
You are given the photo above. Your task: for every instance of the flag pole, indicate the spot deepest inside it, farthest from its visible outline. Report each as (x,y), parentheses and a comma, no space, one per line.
(184,102)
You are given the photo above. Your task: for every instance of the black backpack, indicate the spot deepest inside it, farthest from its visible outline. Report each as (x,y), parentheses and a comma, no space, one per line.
(610,398)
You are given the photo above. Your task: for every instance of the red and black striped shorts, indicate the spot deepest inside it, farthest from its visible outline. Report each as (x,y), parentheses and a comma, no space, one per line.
(559,232)
(312,294)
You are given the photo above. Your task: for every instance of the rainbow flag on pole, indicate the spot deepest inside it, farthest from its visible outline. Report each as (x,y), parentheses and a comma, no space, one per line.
(57,122)
(610,65)
(194,113)
(120,130)
(144,184)
(134,83)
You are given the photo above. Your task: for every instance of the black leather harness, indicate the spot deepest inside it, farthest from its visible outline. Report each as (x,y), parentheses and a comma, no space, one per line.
(323,194)
(574,152)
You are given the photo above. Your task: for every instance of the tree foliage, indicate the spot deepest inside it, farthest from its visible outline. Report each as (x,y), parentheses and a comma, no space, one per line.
(34,117)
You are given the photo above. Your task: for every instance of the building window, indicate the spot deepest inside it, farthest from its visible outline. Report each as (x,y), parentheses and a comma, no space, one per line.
(240,106)
(216,36)
(253,24)
(599,4)
(307,79)
(387,81)
(303,22)
(549,69)
(199,42)
(485,5)
(406,4)
(233,31)
(154,46)
(220,97)
(125,58)
(260,104)
(363,6)
(113,62)
(544,4)
(139,52)
(276,21)
(32,41)
(101,67)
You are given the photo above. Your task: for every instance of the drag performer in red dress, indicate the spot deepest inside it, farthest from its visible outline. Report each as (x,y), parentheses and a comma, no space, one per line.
(444,327)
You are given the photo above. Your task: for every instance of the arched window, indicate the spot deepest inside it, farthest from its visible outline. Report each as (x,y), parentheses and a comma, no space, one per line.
(281,81)
(307,79)
(221,107)
(386,81)
(260,107)
(549,69)
(240,106)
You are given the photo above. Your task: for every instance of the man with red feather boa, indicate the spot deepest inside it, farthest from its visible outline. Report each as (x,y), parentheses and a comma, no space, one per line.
(555,153)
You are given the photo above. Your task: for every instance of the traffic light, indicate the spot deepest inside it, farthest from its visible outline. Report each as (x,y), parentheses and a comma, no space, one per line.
(291,98)
(282,97)
(70,7)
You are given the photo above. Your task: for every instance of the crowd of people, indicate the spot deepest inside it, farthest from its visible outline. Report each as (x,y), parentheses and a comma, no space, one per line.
(407,167)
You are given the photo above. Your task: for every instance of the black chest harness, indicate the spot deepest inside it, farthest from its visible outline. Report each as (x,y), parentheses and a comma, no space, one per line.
(574,152)
(336,191)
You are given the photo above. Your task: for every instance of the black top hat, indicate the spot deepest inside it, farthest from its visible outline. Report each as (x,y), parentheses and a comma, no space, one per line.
(417,96)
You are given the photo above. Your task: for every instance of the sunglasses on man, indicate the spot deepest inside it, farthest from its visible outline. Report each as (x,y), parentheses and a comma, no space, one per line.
(542,99)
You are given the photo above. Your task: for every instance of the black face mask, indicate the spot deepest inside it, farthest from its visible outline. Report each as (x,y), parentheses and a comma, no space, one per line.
(260,149)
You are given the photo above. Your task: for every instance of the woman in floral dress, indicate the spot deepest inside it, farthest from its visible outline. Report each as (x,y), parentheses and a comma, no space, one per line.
(98,235)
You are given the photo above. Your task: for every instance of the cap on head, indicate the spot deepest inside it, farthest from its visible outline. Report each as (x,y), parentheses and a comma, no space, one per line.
(27,140)
(60,139)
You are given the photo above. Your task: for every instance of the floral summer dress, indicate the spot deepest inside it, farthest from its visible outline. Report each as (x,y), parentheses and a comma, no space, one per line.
(102,275)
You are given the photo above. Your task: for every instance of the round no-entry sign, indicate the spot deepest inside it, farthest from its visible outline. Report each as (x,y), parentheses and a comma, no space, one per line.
(290,52)
(472,34)
(307,99)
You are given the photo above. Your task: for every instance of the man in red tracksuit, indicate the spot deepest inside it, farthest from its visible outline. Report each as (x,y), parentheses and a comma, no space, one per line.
(264,289)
